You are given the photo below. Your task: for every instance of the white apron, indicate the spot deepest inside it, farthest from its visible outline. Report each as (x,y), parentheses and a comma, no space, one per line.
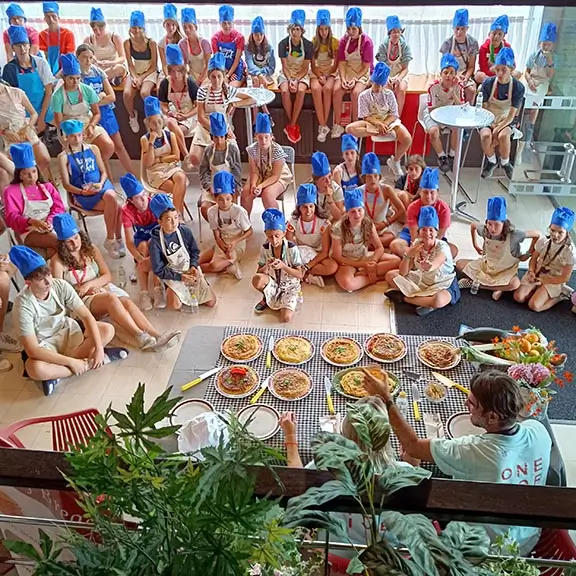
(160,171)
(201,135)
(13,118)
(228,232)
(539,75)
(378,113)
(375,205)
(140,66)
(181,102)
(308,236)
(196,63)
(36,209)
(497,267)
(282,289)
(354,65)
(207,195)
(294,65)
(80,111)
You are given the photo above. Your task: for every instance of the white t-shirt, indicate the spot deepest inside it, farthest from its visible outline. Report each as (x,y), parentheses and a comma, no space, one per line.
(554,260)
(233,222)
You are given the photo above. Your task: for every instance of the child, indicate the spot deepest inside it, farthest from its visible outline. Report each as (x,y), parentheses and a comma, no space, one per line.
(55,345)
(172,36)
(222,154)
(447,91)
(231,227)
(355,56)
(142,58)
(357,248)
(426,277)
(138,222)
(324,68)
(160,155)
(230,43)
(330,197)
(279,268)
(196,49)
(378,113)
(55,40)
(16,17)
(395,53)
(310,230)
(295,54)
(466,49)
(503,95)
(174,258)
(259,53)
(348,173)
(408,185)
(501,253)
(490,48)
(551,265)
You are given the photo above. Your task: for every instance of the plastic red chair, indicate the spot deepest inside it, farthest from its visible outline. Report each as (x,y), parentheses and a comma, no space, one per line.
(554,545)
(67,430)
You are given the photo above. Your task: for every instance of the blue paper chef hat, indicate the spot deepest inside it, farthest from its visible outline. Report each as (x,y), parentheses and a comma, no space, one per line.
(448,61)
(18,35)
(500,23)
(460,18)
(323,18)
(226,13)
(393,23)
(189,16)
(274,219)
(23,155)
(298,18)
(496,209)
(223,183)
(548,32)
(70,65)
(15,11)
(218,124)
(217,62)
(160,203)
(174,55)
(430,179)
(263,124)
(137,19)
(307,194)
(320,164)
(258,25)
(428,217)
(170,12)
(50,7)
(151,106)
(25,259)
(563,217)
(72,126)
(380,74)
(65,226)
(353,199)
(505,57)
(354,17)
(96,15)
(370,164)
(349,142)
(131,185)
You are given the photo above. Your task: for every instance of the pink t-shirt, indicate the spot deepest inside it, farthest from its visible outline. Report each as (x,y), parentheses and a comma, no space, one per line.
(366,49)
(32,36)
(184,45)
(234,36)
(413,211)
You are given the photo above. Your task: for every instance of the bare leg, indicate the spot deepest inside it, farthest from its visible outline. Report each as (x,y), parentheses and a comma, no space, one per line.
(327,267)
(403,141)
(358,129)
(260,281)
(204,207)
(246,198)
(337,97)
(47,241)
(138,317)
(108,304)
(286,99)
(172,300)
(541,301)
(486,141)
(270,194)
(327,91)
(504,143)
(143,272)
(298,102)
(42,157)
(479,77)
(358,89)
(128,97)
(106,147)
(146,89)
(439,300)
(523,293)
(121,152)
(4,296)
(111,208)
(196,153)
(174,127)
(387,262)
(399,247)
(462,263)
(316,89)
(348,279)
(400,93)
(116,71)
(435,141)
(286,315)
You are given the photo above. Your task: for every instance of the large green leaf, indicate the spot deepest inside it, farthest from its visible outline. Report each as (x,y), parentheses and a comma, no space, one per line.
(22,549)
(471,540)
(332,451)
(317,496)
(384,560)
(355,566)
(395,478)
(316,519)
(371,426)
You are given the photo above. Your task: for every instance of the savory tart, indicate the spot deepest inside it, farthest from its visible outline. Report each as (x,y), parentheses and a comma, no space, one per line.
(385,347)
(341,351)
(439,355)
(293,350)
(352,382)
(241,347)
(290,384)
(236,381)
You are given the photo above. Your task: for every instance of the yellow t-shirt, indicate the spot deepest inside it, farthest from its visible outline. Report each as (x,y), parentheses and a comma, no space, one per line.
(324,47)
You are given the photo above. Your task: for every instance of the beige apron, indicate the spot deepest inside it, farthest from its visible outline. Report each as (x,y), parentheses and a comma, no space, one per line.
(201,135)
(36,209)
(500,108)
(294,65)
(282,288)
(181,102)
(324,63)
(140,66)
(265,170)
(160,171)
(106,55)
(13,119)
(80,111)
(395,65)
(355,250)
(539,75)
(196,63)
(308,236)
(497,266)
(354,69)
(207,195)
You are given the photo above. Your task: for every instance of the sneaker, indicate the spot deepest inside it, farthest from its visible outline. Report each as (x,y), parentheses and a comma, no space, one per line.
(121,248)
(395,167)
(424,311)
(167,340)
(508,169)
(235,270)
(261,306)
(566,292)
(133,121)
(117,81)
(48,386)
(113,354)
(146,303)
(297,134)
(292,134)
(159,297)
(315,280)
(110,247)
(465,283)
(395,296)
(9,343)
(337,131)
(488,169)
(443,164)
(133,278)
(323,131)
(145,341)
(5,365)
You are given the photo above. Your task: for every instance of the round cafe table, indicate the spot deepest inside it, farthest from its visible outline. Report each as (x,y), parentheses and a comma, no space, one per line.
(460,118)
(259,97)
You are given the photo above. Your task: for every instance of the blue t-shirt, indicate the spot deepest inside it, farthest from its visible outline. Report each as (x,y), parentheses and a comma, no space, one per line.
(502,91)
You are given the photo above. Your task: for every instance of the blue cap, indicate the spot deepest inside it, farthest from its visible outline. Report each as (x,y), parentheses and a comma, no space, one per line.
(353,199)
(170,12)
(160,203)
(131,185)
(505,57)
(174,55)
(307,194)
(189,16)
(18,35)
(370,164)
(151,106)
(25,259)
(496,209)
(218,124)
(354,17)
(461,18)
(563,217)
(380,74)
(393,23)
(320,164)
(65,226)
(274,219)
(501,23)
(430,179)
(96,15)
(223,183)
(15,11)
(50,7)
(72,126)
(323,18)
(22,155)
(70,65)
(349,142)
(448,60)
(428,217)
(137,19)
(226,13)
(298,18)
(217,62)
(263,124)
(258,25)
(548,32)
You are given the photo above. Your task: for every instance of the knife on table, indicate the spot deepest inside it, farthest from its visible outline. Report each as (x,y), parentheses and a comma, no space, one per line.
(263,387)
(450,383)
(328,388)
(416,397)
(200,378)
(269,353)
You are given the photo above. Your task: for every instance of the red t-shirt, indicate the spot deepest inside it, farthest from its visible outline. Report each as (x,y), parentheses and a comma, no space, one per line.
(67,41)
(234,36)
(484,61)
(131,216)
(413,211)
(32,35)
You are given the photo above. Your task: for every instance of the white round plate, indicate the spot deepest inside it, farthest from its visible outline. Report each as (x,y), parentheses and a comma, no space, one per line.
(234,360)
(459,424)
(276,395)
(189,409)
(265,420)
(360,355)
(382,360)
(312,351)
(426,363)
(244,394)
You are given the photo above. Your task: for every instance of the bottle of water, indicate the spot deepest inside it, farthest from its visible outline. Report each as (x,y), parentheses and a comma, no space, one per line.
(402,403)
(249,83)
(475,286)
(121,277)
(299,301)
(479,100)
(194,308)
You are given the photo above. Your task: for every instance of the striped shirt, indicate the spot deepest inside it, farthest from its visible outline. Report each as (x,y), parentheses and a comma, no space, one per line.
(262,156)
(216,96)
